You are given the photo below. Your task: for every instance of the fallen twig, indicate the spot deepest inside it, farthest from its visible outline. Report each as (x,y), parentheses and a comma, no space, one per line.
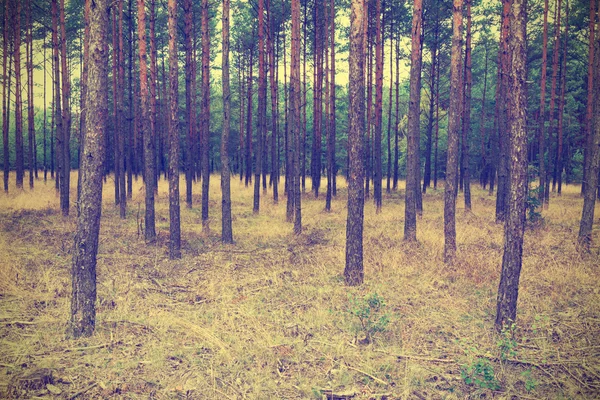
(376,379)
(82,391)
(420,358)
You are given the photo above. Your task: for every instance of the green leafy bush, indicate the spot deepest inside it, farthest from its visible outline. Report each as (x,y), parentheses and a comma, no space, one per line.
(369,315)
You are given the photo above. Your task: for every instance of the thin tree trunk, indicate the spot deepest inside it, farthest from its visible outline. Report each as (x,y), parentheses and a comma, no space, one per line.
(432,82)
(18,101)
(589,116)
(295,99)
(542,111)
(116,127)
(466,128)
(555,67)
(205,115)
(249,124)
(317,101)
(302,156)
(353,272)
(412,147)
(45,115)
(262,105)
(274,105)
(190,100)
(149,228)
(226,231)
(558,165)
(388,185)
(132,131)
(331,169)
(153,80)
(121,113)
(454,128)
(174,209)
(66,116)
(30,118)
(515,217)
(6,93)
(89,207)
(503,140)
(397,119)
(378,181)
(484,168)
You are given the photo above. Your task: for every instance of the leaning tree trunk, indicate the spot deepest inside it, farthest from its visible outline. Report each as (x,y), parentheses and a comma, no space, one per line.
(454,127)
(89,206)
(515,217)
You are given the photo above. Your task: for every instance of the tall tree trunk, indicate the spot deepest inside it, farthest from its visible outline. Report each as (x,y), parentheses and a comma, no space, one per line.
(503,140)
(302,156)
(174,209)
(483,176)
(558,165)
(589,116)
(116,127)
(226,230)
(153,80)
(89,206)
(454,128)
(353,272)
(555,67)
(149,228)
(6,93)
(331,169)
(515,218)
(205,114)
(431,116)
(412,147)
(262,105)
(317,100)
(388,185)
(121,113)
(30,119)
(377,183)
(44,123)
(397,119)
(56,97)
(66,116)
(466,128)
(437,128)
(132,131)
(190,100)
(589,195)
(295,121)
(242,97)
(271,43)
(542,111)
(369,79)
(249,123)
(18,101)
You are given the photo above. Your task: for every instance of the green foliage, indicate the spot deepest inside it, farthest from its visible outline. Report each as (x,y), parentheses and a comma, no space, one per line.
(369,314)
(532,202)
(530,382)
(481,374)
(507,343)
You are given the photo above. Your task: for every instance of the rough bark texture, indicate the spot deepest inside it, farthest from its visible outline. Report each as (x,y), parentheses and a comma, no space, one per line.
(377,178)
(589,195)
(205,114)
(454,128)
(295,106)
(353,272)
(19,157)
(226,230)
(466,129)
(412,158)
(65,183)
(83,300)
(262,105)
(542,111)
(514,227)
(174,209)
(190,100)
(589,115)
(149,219)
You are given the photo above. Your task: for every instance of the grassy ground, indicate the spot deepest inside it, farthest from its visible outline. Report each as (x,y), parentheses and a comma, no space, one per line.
(270,317)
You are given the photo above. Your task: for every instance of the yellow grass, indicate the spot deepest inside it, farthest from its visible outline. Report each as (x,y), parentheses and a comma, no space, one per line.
(267,318)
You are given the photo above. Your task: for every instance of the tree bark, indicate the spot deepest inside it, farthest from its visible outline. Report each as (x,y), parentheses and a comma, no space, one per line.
(353,272)
(30,119)
(502,133)
(454,127)
(205,115)
(542,111)
(226,230)
(83,299)
(66,116)
(466,128)
(174,209)
(19,159)
(295,99)
(190,100)
(397,119)
(558,165)
(412,147)
(149,227)
(331,169)
(377,183)
(431,116)
(515,218)
(262,106)
(589,116)
(6,93)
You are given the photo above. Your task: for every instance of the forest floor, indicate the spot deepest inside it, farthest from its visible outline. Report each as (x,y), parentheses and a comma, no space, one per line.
(270,317)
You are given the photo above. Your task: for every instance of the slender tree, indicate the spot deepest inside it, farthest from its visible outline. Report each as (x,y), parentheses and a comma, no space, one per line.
(65,183)
(377,179)
(19,162)
(466,118)
(542,111)
(89,206)
(454,127)
(5,93)
(174,211)
(558,165)
(397,117)
(515,218)
(205,144)
(190,99)
(149,227)
(30,119)
(501,118)
(226,230)
(353,272)
(262,105)
(589,195)
(331,131)
(589,115)
(121,112)
(295,114)
(412,185)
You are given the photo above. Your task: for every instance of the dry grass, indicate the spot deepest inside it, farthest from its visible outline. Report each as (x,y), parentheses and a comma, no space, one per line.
(267,317)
